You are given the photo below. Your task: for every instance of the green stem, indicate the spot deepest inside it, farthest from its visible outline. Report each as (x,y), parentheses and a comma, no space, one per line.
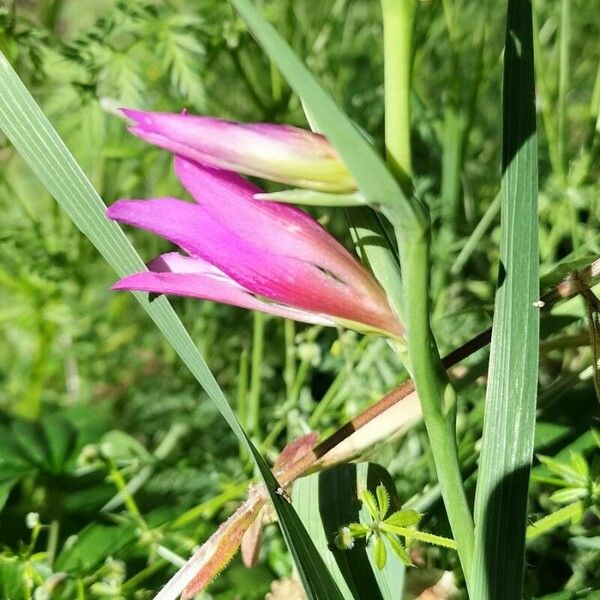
(452,161)
(546,109)
(449,12)
(31,404)
(290,403)
(80,589)
(255,376)
(438,398)
(480,230)
(289,373)
(52,13)
(340,380)
(168,444)
(276,82)
(437,395)
(422,536)
(398,25)
(52,544)
(246,70)
(242,391)
(595,103)
(551,521)
(130,504)
(563,83)
(210,507)
(563,89)
(590,148)
(134,583)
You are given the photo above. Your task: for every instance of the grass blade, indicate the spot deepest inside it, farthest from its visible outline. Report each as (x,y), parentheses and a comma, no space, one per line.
(39,144)
(508,434)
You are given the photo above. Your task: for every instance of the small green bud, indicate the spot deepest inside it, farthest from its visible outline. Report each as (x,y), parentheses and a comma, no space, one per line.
(32,520)
(344,539)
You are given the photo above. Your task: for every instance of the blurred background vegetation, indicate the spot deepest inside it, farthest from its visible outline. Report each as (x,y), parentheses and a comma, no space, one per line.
(92,398)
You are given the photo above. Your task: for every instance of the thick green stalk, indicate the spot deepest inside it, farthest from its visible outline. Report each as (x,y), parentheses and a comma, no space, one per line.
(452,159)
(398,25)
(437,395)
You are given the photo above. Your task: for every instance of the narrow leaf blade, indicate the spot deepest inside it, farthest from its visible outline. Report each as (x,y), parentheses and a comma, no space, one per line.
(39,144)
(508,435)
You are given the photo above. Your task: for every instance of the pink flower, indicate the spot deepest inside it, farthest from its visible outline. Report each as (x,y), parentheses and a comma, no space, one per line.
(256,255)
(279,152)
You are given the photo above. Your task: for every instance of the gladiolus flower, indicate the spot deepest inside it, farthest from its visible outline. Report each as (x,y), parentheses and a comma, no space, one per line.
(262,256)
(278,152)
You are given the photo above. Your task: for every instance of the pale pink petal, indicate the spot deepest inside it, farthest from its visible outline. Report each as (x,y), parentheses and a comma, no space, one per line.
(279,152)
(250,546)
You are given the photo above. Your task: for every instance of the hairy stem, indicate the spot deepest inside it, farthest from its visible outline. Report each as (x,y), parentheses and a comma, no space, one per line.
(549,522)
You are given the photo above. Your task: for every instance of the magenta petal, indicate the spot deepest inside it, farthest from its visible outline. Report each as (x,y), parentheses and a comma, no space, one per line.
(195,231)
(183,276)
(278,228)
(283,279)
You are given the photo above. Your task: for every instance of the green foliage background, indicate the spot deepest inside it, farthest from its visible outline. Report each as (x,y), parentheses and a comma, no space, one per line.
(91,395)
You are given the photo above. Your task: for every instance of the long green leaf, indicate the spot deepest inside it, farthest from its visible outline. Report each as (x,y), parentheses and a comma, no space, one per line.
(508,434)
(370,172)
(35,139)
(317,499)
